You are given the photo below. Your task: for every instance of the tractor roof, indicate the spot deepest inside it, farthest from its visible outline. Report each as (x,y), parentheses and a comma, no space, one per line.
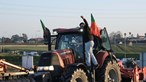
(65,30)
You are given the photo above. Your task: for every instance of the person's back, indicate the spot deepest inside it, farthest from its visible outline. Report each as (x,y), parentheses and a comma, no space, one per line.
(89,43)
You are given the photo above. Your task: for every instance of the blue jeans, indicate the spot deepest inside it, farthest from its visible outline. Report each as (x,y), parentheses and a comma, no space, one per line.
(89,53)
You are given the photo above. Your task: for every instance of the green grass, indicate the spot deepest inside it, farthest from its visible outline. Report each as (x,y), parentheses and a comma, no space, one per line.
(13,57)
(130,51)
(16,58)
(24,47)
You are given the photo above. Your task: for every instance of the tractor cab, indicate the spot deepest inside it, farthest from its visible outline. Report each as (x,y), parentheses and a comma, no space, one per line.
(72,39)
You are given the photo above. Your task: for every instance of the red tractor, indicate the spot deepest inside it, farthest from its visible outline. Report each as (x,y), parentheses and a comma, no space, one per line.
(131,72)
(66,63)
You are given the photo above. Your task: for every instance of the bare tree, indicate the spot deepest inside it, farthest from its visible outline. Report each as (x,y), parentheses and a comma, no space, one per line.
(115,37)
(25,38)
(15,38)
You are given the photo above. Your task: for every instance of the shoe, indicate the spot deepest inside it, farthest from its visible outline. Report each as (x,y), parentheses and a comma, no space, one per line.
(89,68)
(96,66)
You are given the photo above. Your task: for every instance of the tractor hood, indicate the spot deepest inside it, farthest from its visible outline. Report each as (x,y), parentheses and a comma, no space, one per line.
(56,58)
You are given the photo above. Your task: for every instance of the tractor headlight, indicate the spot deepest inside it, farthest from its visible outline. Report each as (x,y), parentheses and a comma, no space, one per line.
(45,68)
(51,68)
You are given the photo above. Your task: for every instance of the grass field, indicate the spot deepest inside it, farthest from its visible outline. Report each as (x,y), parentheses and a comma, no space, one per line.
(119,50)
(130,51)
(16,58)
(25,47)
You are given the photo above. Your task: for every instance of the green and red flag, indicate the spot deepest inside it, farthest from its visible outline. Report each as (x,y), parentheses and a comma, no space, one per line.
(47,35)
(94,29)
(46,31)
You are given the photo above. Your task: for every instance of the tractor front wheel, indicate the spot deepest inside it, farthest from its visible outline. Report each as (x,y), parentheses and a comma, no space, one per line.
(74,75)
(109,72)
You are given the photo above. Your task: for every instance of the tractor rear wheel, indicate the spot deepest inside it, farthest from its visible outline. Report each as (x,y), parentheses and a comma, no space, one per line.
(109,72)
(74,75)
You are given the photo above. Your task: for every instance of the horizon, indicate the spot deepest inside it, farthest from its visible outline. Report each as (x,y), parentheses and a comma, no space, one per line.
(20,35)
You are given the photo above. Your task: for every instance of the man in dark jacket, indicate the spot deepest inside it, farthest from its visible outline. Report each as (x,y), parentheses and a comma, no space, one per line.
(89,43)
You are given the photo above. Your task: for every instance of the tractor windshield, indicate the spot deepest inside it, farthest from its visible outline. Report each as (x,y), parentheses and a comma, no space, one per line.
(71,41)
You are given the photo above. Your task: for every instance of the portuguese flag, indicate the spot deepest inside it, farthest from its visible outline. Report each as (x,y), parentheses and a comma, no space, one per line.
(94,29)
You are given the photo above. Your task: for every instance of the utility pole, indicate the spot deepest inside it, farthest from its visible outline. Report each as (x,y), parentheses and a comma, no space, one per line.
(2,47)
(125,44)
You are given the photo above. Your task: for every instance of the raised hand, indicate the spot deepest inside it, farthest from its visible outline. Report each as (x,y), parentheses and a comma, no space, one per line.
(82,17)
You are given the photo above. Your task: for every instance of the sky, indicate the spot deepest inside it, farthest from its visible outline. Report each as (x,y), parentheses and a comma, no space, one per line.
(23,16)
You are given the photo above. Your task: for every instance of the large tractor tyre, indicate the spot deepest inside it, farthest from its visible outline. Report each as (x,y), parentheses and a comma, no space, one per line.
(31,80)
(45,77)
(127,79)
(74,75)
(109,72)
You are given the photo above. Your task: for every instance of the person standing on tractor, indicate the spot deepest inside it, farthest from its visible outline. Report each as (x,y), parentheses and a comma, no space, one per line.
(89,43)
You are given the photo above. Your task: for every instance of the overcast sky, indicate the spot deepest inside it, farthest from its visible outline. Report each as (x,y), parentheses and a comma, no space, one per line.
(22,16)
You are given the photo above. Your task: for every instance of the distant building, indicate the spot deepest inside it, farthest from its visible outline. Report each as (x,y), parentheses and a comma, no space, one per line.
(141,37)
(35,40)
(138,40)
(31,41)
(39,39)
(130,40)
(19,41)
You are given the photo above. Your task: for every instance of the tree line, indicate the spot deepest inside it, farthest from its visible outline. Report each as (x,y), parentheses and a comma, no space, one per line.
(20,39)
(115,38)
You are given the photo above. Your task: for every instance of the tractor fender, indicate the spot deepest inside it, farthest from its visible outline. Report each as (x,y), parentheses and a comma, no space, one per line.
(101,56)
(78,65)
